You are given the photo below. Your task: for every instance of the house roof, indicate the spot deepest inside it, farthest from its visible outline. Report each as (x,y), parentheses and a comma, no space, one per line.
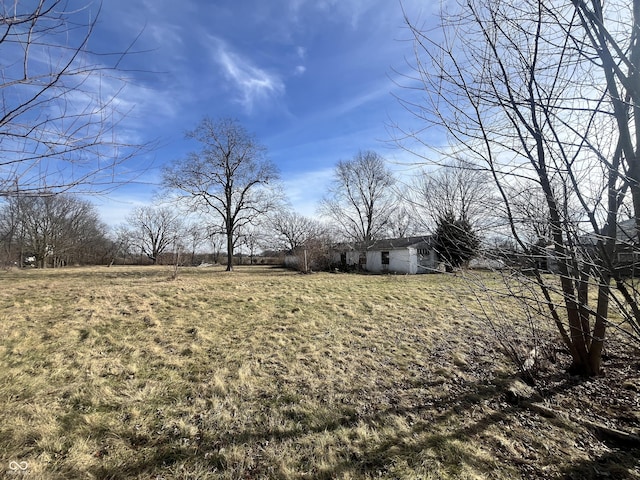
(626,233)
(627,230)
(422,241)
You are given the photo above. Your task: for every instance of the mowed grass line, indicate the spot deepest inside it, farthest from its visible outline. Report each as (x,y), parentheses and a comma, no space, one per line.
(260,373)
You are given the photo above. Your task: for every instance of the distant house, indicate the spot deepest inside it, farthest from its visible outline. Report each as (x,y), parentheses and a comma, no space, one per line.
(626,254)
(626,258)
(410,255)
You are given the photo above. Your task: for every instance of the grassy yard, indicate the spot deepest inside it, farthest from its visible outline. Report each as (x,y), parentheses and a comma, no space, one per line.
(118,372)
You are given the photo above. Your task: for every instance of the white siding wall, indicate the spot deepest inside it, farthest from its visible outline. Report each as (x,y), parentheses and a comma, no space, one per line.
(400,261)
(403,261)
(374,262)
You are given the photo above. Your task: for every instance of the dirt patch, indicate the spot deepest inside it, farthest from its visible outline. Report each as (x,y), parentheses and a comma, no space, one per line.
(598,418)
(611,399)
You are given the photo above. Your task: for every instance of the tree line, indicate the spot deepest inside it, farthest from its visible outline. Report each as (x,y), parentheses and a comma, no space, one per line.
(226,198)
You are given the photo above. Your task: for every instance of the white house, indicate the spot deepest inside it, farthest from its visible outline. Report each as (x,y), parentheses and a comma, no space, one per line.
(399,255)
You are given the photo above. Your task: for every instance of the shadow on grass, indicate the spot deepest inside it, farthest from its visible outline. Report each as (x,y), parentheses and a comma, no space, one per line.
(429,420)
(435,440)
(449,455)
(446,449)
(162,458)
(615,464)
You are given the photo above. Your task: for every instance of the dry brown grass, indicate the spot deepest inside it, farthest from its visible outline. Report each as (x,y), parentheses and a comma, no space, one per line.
(262,373)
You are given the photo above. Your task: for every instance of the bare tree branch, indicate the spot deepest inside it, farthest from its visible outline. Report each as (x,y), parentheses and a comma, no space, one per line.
(60,111)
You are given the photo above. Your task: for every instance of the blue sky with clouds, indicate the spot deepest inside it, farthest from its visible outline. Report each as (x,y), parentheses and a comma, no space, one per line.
(312,79)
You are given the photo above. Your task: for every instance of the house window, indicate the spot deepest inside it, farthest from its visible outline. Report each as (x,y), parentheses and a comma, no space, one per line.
(385,258)
(625,257)
(362,260)
(423,251)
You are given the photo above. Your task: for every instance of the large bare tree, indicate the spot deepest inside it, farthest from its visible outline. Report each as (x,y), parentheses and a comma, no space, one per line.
(305,240)
(59,117)
(403,221)
(230,179)
(361,197)
(545,98)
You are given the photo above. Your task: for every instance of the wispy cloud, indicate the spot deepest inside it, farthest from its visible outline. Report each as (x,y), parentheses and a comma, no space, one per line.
(253,84)
(342,11)
(305,189)
(367,96)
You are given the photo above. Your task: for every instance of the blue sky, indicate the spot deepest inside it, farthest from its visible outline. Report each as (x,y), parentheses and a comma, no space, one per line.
(312,79)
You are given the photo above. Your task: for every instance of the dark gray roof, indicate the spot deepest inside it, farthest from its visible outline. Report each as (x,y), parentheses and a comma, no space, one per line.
(626,232)
(422,241)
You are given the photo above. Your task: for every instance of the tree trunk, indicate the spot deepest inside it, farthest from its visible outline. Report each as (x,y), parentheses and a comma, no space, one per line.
(229,251)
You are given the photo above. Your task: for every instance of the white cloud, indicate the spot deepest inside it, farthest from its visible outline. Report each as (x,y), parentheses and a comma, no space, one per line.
(344,11)
(252,83)
(305,190)
(299,70)
(114,209)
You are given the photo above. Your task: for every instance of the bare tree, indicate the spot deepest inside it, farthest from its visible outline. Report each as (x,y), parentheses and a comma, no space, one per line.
(195,236)
(230,178)
(457,189)
(517,90)
(455,201)
(10,233)
(123,243)
(530,214)
(59,101)
(290,231)
(251,237)
(361,198)
(305,241)
(612,31)
(217,242)
(154,229)
(403,221)
(55,229)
